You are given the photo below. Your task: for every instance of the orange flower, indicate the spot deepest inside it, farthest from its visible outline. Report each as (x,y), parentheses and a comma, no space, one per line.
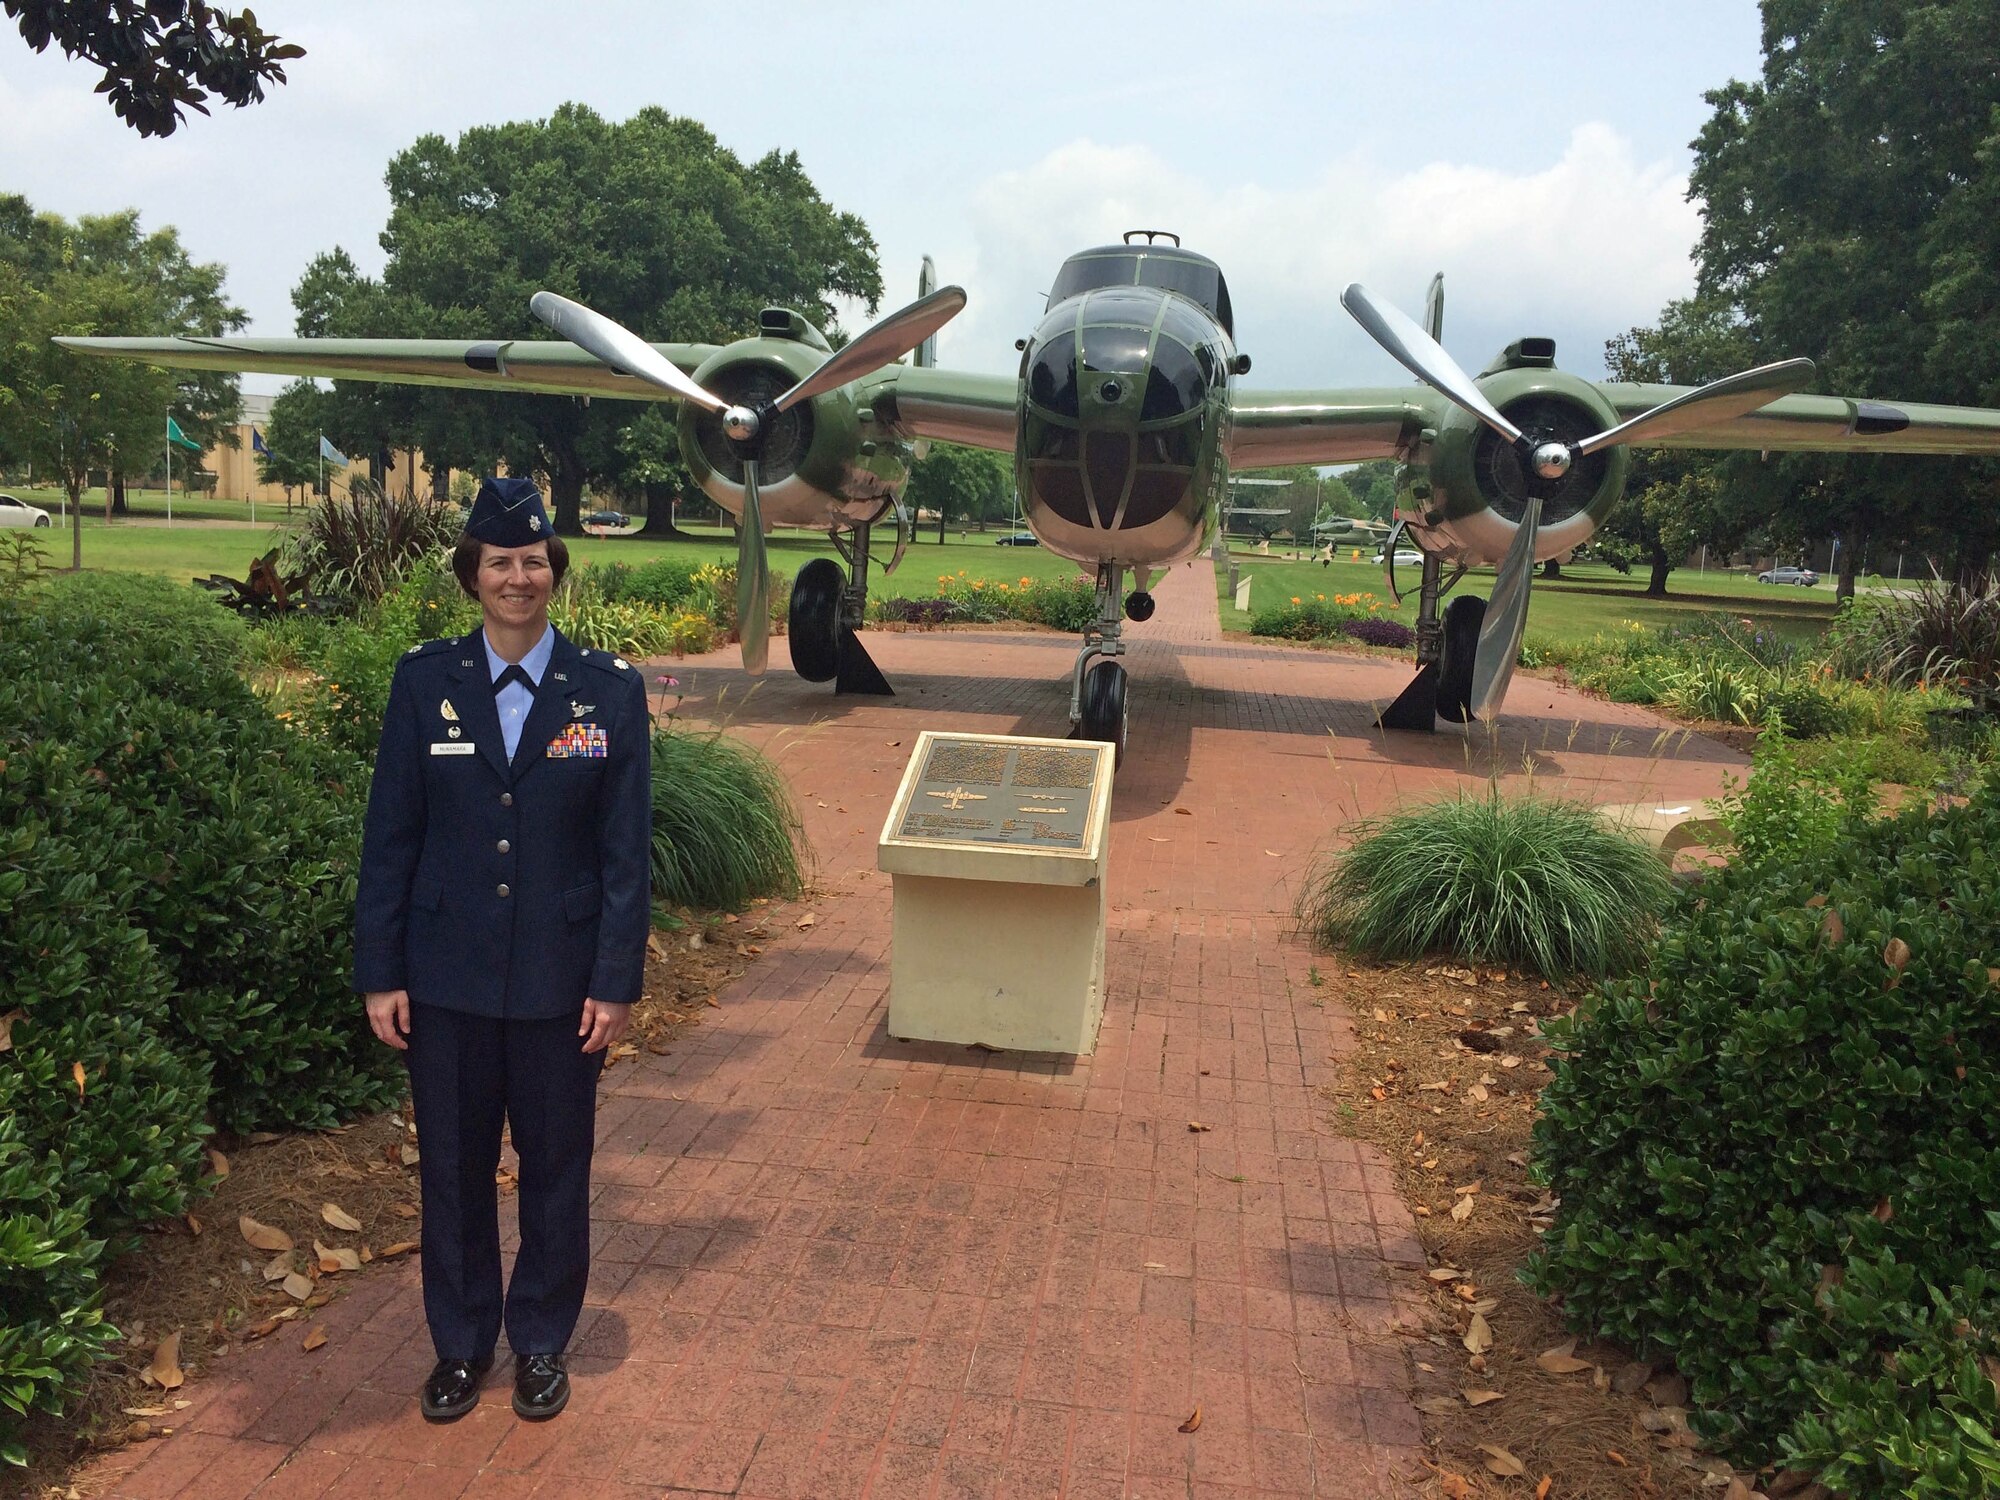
(1295,598)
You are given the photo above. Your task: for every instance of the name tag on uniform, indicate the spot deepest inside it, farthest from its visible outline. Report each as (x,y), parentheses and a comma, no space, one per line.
(583,740)
(459,747)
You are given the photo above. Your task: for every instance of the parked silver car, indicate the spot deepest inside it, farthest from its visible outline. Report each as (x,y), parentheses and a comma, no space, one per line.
(1803,577)
(15,512)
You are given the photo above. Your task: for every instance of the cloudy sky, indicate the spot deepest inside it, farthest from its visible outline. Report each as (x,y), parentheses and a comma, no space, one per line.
(1535,151)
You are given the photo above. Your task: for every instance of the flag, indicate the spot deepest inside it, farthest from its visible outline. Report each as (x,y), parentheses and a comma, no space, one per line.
(330,453)
(257,443)
(180,439)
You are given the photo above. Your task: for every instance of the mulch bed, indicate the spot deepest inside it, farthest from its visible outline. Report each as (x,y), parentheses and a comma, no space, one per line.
(1445,1081)
(201,1277)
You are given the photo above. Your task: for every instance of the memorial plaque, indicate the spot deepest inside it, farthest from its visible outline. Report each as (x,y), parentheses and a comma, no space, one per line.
(979,790)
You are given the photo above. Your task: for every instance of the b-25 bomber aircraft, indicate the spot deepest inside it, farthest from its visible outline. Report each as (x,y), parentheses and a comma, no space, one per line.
(1124,421)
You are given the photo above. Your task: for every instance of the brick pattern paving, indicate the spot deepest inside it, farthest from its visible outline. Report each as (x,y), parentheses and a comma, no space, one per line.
(831,1264)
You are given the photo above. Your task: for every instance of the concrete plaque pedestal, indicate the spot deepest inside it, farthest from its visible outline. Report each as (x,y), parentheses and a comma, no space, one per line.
(996,844)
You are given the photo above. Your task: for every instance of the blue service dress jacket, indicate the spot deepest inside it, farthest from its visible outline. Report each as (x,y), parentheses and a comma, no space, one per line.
(508,889)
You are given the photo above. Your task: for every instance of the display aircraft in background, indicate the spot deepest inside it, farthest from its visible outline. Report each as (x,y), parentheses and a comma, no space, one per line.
(1124,421)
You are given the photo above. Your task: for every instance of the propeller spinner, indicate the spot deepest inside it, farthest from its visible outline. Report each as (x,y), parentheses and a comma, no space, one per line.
(1418,351)
(747,427)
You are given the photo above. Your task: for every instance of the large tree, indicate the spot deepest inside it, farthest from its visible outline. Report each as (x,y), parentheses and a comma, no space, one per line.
(291,438)
(160,57)
(649,221)
(103,275)
(1846,199)
(962,484)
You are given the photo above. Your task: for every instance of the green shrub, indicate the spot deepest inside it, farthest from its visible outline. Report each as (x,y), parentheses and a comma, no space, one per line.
(665,583)
(1320,617)
(22,561)
(1534,882)
(1934,632)
(1065,604)
(1776,1151)
(724,828)
(354,548)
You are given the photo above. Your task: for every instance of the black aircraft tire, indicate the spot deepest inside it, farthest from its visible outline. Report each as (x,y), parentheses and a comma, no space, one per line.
(1104,708)
(813,620)
(1462,619)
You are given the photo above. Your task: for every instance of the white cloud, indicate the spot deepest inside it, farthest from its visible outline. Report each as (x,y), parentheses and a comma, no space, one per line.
(1580,249)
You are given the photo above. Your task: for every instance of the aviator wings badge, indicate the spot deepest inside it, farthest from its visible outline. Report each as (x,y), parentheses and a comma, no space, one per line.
(578,710)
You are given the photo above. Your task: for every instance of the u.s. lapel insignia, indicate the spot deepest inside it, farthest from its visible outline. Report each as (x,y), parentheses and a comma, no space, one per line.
(450,714)
(561,676)
(578,710)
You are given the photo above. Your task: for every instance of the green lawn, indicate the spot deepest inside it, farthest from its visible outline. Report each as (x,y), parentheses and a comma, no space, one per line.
(150,505)
(1589,598)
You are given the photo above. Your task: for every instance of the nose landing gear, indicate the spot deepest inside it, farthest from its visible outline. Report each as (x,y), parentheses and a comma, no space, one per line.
(1097,709)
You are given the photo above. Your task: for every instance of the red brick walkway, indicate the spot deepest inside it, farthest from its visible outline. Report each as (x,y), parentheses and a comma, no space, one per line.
(830,1264)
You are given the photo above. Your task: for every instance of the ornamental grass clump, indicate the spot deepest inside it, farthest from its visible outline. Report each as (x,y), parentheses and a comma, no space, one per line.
(1776,1151)
(724,827)
(1533,882)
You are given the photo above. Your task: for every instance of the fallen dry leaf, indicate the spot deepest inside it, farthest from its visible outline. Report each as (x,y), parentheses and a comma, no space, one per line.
(193,1224)
(404,1210)
(1501,1462)
(218,1164)
(7,1028)
(1542,1489)
(401,1247)
(1438,1406)
(76,1072)
(165,1370)
(409,1154)
(1185,813)
(1480,1398)
(298,1287)
(339,1218)
(1462,1210)
(1455,1486)
(1445,1273)
(263,1236)
(806,921)
(1193,1423)
(336,1258)
(315,1336)
(1562,1360)
(1478,1335)
(1477,1093)
(1195,1127)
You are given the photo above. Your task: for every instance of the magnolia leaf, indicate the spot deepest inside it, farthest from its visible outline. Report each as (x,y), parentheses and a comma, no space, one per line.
(1478,1334)
(806,921)
(280,1267)
(335,1259)
(1462,1210)
(404,1210)
(218,1164)
(408,1154)
(1501,1462)
(1477,1093)
(165,1370)
(1193,1423)
(1480,1398)
(1832,928)
(339,1218)
(263,1236)
(1897,954)
(315,1336)
(298,1287)
(1438,1406)
(1562,1360)
(1445,1273)
(7,1028)
(76,1072)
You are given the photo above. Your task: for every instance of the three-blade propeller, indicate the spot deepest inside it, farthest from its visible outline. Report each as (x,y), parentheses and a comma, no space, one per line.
(1418,351)
(747,426)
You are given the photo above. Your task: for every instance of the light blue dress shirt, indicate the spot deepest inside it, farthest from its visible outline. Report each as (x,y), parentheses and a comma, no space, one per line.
(513,701)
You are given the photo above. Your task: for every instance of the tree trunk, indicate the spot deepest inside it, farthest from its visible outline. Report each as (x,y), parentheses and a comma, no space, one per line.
(566,489)
(660,514)
(1553,568)
(1656,586)
(1850,560)
(115,503)
(440,484)
(75,488)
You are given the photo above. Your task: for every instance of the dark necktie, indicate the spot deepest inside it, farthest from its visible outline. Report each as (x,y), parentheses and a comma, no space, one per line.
(516,673)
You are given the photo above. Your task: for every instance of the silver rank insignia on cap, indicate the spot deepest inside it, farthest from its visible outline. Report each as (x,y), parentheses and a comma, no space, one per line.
(534,523)
(450,714)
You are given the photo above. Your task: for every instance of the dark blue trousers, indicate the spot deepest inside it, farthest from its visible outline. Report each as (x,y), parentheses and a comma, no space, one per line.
(467,1074)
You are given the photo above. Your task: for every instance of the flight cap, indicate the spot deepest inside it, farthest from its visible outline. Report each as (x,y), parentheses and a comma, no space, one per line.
(508,513)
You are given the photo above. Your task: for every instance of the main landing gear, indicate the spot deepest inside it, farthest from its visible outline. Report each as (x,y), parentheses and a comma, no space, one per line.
(1097,702)
(827,610)
(1446,647)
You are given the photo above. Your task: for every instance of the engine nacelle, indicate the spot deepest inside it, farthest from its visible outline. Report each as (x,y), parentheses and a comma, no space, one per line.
(827,463)
(1472,488)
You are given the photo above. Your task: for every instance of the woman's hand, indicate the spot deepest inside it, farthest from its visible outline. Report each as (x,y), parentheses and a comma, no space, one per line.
(389,1016)
(602,1024)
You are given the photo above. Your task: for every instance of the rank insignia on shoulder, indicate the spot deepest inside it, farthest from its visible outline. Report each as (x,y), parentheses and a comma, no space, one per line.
(449,714)
(621,663)
(414,650)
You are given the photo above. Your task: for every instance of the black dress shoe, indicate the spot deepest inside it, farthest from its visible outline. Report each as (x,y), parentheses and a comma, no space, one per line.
(453,1389)
(541,1386)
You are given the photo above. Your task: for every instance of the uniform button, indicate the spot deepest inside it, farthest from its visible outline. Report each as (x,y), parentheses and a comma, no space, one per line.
(504,846)
(504,891)
(506,799)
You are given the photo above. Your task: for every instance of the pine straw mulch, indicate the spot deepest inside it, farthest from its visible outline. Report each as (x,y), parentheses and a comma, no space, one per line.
(201,1278)
(1444,1080)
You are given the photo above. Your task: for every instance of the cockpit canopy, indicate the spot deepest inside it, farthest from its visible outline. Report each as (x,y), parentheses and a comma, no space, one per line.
(1168,267)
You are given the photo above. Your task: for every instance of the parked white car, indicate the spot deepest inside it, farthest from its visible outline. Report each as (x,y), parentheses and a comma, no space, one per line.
(15,512)
(1405,558)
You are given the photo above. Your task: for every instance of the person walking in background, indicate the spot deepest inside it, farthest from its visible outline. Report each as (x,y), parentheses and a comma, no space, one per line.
(500,940)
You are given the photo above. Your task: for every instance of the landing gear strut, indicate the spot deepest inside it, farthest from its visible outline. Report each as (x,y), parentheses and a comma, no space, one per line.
(1097,708)
(828,609)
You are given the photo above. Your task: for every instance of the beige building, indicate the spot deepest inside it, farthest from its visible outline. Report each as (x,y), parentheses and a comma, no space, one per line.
(235,469)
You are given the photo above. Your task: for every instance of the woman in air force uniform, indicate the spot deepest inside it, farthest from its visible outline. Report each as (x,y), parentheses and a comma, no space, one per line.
(501,938)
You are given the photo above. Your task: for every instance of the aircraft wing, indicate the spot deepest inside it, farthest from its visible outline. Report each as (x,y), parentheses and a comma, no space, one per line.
(1273,428)
(539,366)
(952,406)
(1823,424)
